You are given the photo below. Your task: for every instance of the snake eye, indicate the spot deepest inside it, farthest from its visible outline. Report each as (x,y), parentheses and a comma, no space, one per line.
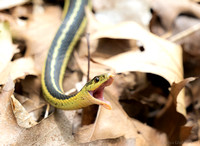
(96,79)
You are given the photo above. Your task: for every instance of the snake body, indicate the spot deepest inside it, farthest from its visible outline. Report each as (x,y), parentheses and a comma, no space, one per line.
(58,56)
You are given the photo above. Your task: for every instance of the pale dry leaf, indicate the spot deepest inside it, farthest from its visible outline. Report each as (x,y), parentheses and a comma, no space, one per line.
(175,124)
(38,33)
(115,11)
(35,108)
(95,68)
(10,131)
(55,130)
(18,69)
(160,56)
(7,49)
(23,118)
(4,4)
(32,86)
(195,143)
(23,67)
(116,123)
(169,10)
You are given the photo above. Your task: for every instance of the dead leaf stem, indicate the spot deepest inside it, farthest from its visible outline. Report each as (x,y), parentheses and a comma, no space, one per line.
(185,33)
(88,46)
(47,111)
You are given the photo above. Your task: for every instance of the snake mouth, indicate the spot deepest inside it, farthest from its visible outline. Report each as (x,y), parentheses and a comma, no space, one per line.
(98,93)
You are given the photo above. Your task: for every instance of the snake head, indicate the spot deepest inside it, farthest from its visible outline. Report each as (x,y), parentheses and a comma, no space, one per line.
(95,88)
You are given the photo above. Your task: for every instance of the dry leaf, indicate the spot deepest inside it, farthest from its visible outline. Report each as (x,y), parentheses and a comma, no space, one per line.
(55,130)
(14,69)
(169,10)
(166,60)
(9,129)
(115,123)
(196,143)
(112,11)
(24,119)
(18,69)
(4,4)
(156,56)
(159,57)
(7,48)
(38,32)
(175,124)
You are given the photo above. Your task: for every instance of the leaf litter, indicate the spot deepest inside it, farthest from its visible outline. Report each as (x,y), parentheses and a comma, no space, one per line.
(149,106)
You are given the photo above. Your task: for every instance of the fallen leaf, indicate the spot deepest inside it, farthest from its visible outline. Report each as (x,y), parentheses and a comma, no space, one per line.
(195,143)
(7,48)
(10,131)
(34,32)
(175,124)
(4,4)
(166,60)
(55,130)
(115,123)
(169,10)
(24,119)
(112,12)
(18,69)
(159,57)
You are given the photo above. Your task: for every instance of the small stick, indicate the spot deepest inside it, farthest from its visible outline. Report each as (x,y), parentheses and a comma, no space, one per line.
(89,113)
(88,45)
(47,111)
(185,33)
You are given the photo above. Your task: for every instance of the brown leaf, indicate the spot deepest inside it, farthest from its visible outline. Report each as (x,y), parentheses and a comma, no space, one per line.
(195,143)
(11,3)
(38,33)
(7,48)
(18,69)
(55,130)
(115,123)
(169,10)
(109,11)
(170,120)
(24,119)
(160,56)
(9,129)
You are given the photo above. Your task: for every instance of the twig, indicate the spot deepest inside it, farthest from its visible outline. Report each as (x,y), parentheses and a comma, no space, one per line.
(89,113)
(47,111)
(88,45)
(185,33)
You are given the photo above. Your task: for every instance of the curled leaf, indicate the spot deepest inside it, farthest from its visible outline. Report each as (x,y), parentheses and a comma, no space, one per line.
(24,119)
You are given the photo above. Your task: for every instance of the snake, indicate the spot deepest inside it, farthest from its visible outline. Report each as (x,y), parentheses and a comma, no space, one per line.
(58,56)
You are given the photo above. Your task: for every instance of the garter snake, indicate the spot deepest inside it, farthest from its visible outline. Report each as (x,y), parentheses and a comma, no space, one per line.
(57,58)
